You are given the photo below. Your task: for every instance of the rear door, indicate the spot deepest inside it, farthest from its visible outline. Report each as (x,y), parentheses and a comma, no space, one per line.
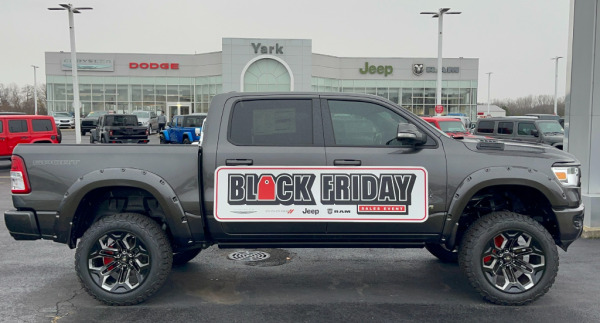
(268,140)
(360,135)
(18,132)
(4,151)
(43,130)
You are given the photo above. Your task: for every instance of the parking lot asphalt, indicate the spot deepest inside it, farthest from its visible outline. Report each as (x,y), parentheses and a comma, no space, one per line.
(39,284)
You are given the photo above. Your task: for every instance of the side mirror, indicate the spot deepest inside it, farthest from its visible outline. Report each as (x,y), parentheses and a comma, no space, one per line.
(170,124)
(410,133)
(535,133)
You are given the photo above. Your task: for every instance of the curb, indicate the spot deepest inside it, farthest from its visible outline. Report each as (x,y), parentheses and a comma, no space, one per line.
(591,233)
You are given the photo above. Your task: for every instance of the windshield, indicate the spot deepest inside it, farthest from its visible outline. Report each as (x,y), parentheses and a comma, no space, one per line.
(452,126)
(551,127)
(62,114)
(142,114)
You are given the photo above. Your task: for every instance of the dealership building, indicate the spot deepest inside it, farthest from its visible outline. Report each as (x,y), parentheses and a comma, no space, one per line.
(185,83)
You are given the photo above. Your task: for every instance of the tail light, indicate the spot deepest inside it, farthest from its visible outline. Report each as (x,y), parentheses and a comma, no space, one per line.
(147,132)
(110,133)
(19,183)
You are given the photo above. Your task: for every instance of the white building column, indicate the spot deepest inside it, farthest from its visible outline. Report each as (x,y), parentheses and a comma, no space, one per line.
(582,110)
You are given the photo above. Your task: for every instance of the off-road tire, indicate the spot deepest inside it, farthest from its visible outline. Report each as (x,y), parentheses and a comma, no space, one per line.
(161,139)
(442,253)
(182,258)
(479,247)
(148,235)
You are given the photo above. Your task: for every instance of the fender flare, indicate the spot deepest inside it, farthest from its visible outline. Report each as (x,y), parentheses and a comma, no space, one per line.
(495,176)
(165,135)
(125,177)
(189,135)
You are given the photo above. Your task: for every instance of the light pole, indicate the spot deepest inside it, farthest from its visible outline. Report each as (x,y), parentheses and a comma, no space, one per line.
(488,100)
(556,82)
(35,88)
(76,103)
(440,15)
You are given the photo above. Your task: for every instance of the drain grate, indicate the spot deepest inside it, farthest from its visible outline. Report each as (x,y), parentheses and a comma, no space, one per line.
(249,255)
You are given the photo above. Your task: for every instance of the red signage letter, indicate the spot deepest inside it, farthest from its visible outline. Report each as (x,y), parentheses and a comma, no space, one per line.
(174,66)
(133,65)
(153,66)
(164,66)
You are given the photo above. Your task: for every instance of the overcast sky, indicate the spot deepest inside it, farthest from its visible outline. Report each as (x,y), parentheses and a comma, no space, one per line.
(514,39)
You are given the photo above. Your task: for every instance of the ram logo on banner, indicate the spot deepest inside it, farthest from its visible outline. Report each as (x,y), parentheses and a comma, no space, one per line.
(358,194)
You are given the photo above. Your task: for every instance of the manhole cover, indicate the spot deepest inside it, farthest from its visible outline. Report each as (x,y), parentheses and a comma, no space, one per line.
(249,255)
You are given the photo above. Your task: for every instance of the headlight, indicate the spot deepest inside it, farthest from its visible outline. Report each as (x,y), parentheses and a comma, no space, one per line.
(568,176)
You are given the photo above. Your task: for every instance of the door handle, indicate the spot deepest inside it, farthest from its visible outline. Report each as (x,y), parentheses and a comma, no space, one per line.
(239,162)
(346,162)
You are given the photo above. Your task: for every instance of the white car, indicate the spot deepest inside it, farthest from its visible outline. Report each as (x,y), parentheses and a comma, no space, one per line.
(149,119)
(63,120)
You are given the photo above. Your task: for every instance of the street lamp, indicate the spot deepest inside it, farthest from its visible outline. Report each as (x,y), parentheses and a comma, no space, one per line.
(440,15)
(555,82)
(35,88)
(488,100)
(76,103)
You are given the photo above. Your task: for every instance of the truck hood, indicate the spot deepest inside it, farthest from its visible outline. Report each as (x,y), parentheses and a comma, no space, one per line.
(518,148)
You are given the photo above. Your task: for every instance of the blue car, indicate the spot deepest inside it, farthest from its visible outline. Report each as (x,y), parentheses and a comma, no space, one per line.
(182,130)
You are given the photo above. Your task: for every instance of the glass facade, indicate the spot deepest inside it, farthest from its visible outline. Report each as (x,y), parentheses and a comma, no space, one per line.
(267,75)
(126,94)
(415,96)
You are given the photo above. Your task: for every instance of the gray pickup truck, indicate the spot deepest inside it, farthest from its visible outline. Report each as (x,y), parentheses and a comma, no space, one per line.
(295,170)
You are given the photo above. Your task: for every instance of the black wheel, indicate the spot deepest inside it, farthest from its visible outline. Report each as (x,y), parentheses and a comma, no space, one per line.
(83,132)
(123,259)
(509,258)
(102,140)
(442,253)
(186,141)
(182,258)
(161,137)
(58,135)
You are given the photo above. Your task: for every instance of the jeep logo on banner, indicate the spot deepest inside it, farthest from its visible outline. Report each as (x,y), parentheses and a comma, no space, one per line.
(358,194)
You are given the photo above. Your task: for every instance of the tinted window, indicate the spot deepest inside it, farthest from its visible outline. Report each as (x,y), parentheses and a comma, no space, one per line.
(1,126)
(41,125)
(17,126)
(363,124)
(272,123)
(452,126)
(505,128)
(193,121)
(485,127)
(120,121)
(525,128)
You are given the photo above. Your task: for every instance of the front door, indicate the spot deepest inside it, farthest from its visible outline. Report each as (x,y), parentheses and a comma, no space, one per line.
(362,132)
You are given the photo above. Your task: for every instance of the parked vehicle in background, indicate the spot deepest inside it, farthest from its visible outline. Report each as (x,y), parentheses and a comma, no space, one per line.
(452,127)
(149,119)
(64,120)
(184,129)
(304,170)
(25,129)
(119,129)
(91,120)
(527,128)
(461,116)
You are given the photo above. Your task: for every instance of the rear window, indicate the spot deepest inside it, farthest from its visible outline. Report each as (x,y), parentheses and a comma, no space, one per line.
(485,127)
(272,123)
(120,121)
(505,128)
(41,125)
(17,126)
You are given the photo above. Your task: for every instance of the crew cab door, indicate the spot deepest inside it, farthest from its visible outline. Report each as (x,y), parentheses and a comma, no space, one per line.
(361,132)
(285,132)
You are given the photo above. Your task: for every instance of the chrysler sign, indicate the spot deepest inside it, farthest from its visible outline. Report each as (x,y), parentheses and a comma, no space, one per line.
(89,64)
